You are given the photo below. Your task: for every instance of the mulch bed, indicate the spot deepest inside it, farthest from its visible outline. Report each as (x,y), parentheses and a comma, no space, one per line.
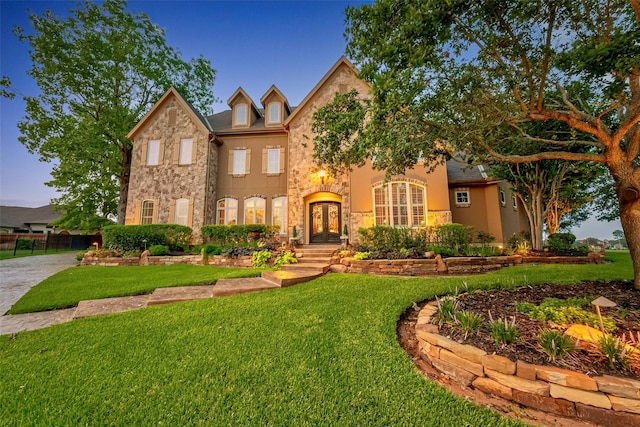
(501,303)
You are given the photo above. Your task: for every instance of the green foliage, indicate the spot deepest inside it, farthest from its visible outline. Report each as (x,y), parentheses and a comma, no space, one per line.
(383,238)
(238,234)
(159,250)
(503,331)
(130,237)
(484,237)
(285,258)
(23,244)
(455,236)
(565,311)
(615,350)
(208,248)
(560,241)
(467,321)
(555,343)
(260,259)
(447,308)
(80,256)
(361,255)
(98,70)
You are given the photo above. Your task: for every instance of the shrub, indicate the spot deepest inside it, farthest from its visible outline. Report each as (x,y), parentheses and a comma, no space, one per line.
(447,308)
(560,241)
(259,259)
(25,244)
(522,237)
(137,237)
(285,258)
(238,251)
(565,311)
(237,234)
(467,321)
(80,256)
(484,238)
(615,349)
(157,250)
(209,249)
(455,236)
(361,255)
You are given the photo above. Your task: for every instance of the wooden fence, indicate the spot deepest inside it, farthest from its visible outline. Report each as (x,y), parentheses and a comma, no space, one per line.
(11,241)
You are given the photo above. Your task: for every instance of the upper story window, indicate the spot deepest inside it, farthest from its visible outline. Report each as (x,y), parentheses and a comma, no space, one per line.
(462,197)
(273,112)
(254,210)
(400,204)
(241,115)
(239,161)
(227,211)
(273,160)
(185,156)
(153,152)
(515,202)
(147,211)
(503,198)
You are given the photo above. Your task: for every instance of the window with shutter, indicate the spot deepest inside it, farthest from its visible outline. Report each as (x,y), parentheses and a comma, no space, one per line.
(147,212)
(273,161)
(153,152)
(239,162)
(186,154)
(181,212)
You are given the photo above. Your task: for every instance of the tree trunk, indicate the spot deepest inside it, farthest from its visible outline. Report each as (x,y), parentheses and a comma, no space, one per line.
(629,198)
(124,184)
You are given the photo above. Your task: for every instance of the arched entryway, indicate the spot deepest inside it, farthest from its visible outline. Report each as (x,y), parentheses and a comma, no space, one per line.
(323,217)
(325,222)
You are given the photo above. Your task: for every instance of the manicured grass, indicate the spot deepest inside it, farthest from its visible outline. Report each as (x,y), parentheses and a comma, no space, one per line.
(320,353)
(70,286)
(27,252)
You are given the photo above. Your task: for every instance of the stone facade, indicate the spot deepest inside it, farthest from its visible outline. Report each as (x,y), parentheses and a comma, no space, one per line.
(169,181)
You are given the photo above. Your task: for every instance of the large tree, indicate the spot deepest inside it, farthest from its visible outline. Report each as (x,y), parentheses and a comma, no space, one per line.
(465,76)
(99,70)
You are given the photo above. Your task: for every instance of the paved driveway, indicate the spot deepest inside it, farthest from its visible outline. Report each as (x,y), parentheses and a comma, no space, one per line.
(19,275)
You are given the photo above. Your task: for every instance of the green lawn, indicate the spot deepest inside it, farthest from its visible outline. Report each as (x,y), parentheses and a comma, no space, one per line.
(320,353)
(27,252)
(70,286)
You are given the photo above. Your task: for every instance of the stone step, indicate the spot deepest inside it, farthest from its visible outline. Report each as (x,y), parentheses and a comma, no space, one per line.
(284,278)
(307,267)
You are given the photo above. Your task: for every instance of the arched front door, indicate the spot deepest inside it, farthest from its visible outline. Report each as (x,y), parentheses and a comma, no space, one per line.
(325,222)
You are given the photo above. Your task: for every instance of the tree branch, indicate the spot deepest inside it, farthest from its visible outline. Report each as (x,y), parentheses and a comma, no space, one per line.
(547,55)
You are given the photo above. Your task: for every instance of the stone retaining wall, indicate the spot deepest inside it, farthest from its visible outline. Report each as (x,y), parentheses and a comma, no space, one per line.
(217,260)
(606,400)
(456,265)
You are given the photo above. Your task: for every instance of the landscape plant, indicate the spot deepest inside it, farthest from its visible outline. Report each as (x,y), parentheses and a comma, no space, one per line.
(136,237)
(159,250)
(260,259)
(503,331)
(467,321)
(614,349)
(285,258)
(556,343)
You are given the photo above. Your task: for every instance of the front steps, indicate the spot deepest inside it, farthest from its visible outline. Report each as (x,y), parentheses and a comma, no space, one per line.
(313,262)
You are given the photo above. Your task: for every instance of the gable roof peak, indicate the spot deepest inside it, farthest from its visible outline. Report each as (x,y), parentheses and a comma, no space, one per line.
(274,89)
(243,93)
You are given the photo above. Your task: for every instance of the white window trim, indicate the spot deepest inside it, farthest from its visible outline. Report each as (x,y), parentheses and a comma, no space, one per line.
(503,198)
(185,156)
(515,202)
(142,211)
(184,203)
(255,208)
(409,203)
(270,112)
(459,203)
(226,209)
(283,223)
(273,161)
(237,115)
(153,153)
(240,162)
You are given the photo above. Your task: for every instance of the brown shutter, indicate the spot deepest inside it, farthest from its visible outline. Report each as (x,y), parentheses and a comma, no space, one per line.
(265,159)
(136,213)
(161,152)
(194,151)
(230,168)
(248,164)
(156,208)
(282,159)
(176,151)
(190,213)
(172,211)
(143,155)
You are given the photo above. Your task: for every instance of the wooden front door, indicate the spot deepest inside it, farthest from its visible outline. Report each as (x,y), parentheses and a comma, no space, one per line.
(325,222)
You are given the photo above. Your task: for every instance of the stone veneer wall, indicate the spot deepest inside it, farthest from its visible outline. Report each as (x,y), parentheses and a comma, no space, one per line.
(302,181)
(606,400)
(169,181)
(217,260)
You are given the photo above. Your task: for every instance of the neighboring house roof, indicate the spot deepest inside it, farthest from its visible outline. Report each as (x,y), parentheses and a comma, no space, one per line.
(460,173)
(21,217)
(342,61)
(198,118)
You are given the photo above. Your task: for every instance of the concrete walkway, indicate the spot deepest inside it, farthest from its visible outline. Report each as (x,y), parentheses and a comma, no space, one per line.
(18,275)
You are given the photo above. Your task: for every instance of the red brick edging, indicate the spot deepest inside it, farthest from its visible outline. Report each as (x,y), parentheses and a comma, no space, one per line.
(605,399)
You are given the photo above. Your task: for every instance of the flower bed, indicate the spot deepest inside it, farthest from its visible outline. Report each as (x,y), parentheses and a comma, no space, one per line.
(603,399)
(217,260)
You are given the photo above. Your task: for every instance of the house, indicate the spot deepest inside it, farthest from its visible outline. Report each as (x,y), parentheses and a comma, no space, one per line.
(252,164)
(18,219)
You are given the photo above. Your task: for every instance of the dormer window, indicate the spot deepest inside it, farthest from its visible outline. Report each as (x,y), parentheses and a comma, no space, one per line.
(241,114)
(273,114)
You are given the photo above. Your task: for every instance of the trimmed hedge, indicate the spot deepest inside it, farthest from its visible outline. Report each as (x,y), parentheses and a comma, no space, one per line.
(237,234)
(132,237)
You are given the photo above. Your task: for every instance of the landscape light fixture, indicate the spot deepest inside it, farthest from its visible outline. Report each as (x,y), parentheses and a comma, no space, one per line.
(602,302)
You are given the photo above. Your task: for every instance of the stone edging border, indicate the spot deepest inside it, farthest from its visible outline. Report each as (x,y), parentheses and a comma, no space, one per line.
(606,400)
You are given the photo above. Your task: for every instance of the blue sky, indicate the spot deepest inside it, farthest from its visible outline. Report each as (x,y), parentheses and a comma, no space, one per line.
(252,44)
